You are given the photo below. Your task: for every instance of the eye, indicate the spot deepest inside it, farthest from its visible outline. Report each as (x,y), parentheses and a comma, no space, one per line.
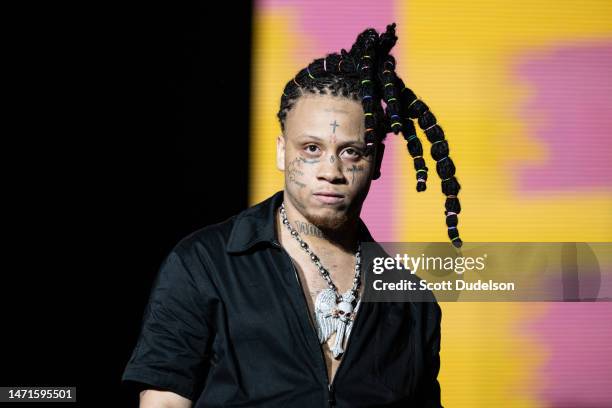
(351,153)
(311,148)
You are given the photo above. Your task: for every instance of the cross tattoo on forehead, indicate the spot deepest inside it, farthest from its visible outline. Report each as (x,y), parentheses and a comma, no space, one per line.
(334,125)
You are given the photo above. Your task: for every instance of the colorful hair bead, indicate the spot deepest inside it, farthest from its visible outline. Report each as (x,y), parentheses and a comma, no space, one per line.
(365,72)
(309,74)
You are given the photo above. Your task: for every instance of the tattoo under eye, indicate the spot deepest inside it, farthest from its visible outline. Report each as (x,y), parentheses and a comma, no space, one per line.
(308,161)
(294,173)
(355,169)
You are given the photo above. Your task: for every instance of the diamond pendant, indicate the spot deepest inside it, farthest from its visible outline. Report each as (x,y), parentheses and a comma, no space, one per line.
(334,317)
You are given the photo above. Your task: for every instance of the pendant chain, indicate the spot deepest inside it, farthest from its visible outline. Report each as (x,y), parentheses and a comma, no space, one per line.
(315,259)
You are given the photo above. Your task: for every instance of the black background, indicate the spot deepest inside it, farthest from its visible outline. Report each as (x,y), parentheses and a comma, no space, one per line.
(126,129)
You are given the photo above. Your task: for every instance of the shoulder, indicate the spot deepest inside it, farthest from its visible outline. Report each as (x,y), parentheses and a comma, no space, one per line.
(197,253)
(235,234)
(210,238)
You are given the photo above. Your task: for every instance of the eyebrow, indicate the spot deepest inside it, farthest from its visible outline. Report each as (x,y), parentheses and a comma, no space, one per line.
(354,141)
(310,137)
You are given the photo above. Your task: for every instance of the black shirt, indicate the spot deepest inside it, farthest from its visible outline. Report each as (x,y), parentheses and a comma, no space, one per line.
(227,325)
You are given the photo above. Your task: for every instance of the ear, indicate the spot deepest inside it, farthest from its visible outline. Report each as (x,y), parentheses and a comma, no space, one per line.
(280,152)
(380,152)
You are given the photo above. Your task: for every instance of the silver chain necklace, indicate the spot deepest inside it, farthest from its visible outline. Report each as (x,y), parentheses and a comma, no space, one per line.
(334,312)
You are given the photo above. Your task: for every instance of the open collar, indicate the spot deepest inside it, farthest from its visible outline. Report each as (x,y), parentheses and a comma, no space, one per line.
(257,224)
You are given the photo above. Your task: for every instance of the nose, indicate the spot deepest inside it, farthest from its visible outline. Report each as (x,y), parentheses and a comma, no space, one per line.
(331,170)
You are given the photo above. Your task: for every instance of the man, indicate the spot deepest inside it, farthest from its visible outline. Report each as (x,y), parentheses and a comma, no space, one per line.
(264,310)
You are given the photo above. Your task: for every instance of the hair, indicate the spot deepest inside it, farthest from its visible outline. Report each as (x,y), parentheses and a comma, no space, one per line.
(367,73)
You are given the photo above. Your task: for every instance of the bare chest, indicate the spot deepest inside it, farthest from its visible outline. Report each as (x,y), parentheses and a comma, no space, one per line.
(312,284)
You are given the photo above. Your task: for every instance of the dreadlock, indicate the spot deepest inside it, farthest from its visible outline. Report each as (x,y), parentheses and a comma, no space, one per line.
(367,73)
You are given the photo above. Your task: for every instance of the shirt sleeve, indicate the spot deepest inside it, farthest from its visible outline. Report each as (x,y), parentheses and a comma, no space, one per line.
(172,351)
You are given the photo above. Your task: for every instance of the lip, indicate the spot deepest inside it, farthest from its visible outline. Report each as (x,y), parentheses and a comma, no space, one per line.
(329,197)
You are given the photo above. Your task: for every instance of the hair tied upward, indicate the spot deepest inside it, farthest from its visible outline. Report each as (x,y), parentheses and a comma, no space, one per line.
(367,73)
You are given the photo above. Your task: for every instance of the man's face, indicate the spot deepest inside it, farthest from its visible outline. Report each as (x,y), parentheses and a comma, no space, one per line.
(327,176)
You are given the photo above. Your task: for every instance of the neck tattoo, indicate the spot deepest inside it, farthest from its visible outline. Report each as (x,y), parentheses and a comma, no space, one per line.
(334,312)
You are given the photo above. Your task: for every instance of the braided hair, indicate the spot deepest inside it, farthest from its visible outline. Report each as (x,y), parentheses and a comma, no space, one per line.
(367,73)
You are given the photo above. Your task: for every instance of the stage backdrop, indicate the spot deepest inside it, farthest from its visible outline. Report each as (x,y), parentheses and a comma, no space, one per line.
(523,92)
